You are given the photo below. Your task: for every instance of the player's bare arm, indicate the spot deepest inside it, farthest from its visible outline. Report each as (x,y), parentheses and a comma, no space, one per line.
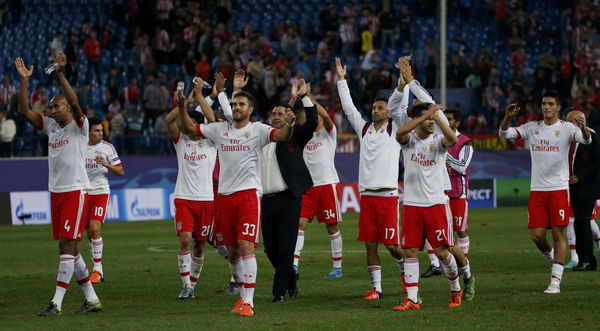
(510,111)
(187,125)
(293,93)
(70,95)
(450,138)
(403,131)
(206,109)
(117,170)
(285,133)
(24,72)
(327,122)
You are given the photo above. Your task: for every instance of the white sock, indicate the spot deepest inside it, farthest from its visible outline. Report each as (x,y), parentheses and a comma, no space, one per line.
(83,279)
(466,270)
(375,275)
(571,240)
(451,270)
(196,269)
(238,275)
(336,249)
(411,278)
(557,271)
(400,265)
(97,246)
(549,255)
(595,230)
(185,259)
(299,246)
(431,253)
(250,271)
(65,272)
(463,244)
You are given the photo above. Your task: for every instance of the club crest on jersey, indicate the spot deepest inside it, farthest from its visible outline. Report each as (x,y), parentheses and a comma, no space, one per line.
(536,132)
(179,226)
(557,133)
(247,134)
(431,145)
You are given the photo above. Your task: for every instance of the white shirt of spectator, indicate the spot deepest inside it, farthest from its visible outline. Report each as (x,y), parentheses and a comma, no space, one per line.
(379,150)
(239,153)
(424,169)
(549,147)
(319,156)
(195,161)
(97,173)
(272,181)
(66,155)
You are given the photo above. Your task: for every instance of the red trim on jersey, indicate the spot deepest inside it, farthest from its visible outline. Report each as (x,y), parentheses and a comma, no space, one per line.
(80,121)
(175,140)
(518,133)
(199,131)
(271,135)
(332,127)
(41,122)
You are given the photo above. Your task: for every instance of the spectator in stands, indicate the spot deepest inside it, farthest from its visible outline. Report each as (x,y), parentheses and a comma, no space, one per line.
(370,20)
(457,72)
(153,102)
(347,36)
(113,83)
(71,51)
(476,122)
(405,23)
(164,9)
(323,55)
(56,46)
(118,125)
(349,10)
(473,80)
(370,61)
(329,22)
(93,52)
(7,90)
(366,39)
(8,130)
(188,68)
(387,19)
(161,44)
(291,44)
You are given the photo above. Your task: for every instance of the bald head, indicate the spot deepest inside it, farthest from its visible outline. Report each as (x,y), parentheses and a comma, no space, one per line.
(59,100)
(573,115)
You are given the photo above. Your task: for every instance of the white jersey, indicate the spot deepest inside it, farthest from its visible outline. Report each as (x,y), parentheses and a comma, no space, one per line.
(319,156)
(379,150)
(195,161)
(66,155)
(424,170)
(239,153)
(97,173)
(549,147)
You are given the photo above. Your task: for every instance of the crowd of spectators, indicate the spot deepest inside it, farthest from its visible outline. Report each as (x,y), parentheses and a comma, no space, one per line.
(171,40)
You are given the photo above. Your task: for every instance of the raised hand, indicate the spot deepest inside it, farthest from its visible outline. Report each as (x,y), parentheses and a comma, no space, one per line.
(512,110)
(579,121)
(240,80)
(61,59)
(432,109)
(289,118)
(219,82)
(23,71)
(341,70)
(301,87)
(294,89)
(179,99)
(405,70)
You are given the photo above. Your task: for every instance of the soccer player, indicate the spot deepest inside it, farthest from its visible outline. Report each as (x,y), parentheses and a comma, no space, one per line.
(239,145)
(377,180)
(193,190)
(549,141)
(101,158)
(425,212)
(67,131)
(322,200)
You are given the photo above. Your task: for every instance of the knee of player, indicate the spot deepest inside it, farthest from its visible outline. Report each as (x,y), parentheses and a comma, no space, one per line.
(442,252)
(332,228)
(67,246)
(303,224)
(184,241)
(198,248)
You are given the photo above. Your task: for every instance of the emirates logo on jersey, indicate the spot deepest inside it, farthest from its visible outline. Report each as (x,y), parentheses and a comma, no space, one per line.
(311,146)
(422,160)
(58,144)
(194,156)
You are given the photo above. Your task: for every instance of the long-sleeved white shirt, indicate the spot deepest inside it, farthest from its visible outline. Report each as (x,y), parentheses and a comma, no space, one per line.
(379,150)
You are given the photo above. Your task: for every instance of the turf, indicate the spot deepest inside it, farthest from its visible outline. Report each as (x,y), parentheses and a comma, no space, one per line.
(142,282)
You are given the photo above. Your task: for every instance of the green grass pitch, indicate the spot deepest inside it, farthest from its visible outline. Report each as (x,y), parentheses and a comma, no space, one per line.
(142,282)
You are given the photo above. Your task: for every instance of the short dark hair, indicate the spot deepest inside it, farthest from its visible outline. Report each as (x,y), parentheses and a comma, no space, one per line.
(419,108)
(552,94)
(458,115)
(281,104)
(196,116)
(94,121)
(381,98)
(246,95)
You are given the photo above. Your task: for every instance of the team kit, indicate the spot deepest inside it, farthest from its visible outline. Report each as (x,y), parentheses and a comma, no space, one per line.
(223,163)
